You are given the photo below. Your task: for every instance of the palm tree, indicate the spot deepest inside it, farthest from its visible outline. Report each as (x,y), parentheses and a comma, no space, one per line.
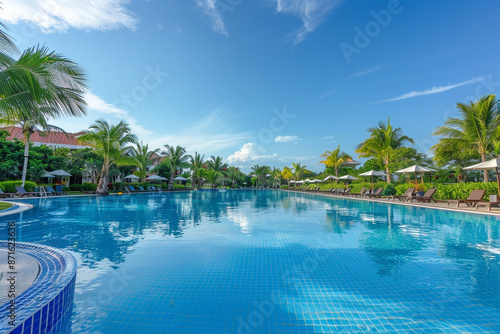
(298,171)
(216,164)
(38,86)
(477,128)
(176,158)
(111,143)
(197,162)
(142,157)
(334,159)
(260,173)
(213,177)
(233,175)
(381,144)
(287,174)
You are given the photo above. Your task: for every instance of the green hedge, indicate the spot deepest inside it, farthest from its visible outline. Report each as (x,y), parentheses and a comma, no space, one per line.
(87,186)
(10,186)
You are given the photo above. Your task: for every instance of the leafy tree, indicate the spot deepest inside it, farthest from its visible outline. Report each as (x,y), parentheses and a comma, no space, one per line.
(477,128)
(197,164)
(334,159)
(111,143)
(176,158)
(381,144)
(298,171)
(287,174)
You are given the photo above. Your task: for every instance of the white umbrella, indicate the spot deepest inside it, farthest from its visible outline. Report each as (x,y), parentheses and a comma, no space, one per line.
(292,181)
(307,180)
(268,175)
(317,181)
(492,164)
(180,178)
(299,182)
(347,177)
(49,176)
(157,178)
(372,173)
(350,163)
(132,177)
(330,177)
(416,169)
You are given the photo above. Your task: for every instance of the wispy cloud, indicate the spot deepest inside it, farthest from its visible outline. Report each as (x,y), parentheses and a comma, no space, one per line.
(209,9)
(61,15)
(312,13)
(365,71)
(286,139)
(433,90)
(325,95)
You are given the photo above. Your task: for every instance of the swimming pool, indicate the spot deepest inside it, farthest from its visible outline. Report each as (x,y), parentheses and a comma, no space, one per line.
(271,262)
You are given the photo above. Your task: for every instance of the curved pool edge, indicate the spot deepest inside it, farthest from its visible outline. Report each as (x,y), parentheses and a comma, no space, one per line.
(45,305)
(17,207)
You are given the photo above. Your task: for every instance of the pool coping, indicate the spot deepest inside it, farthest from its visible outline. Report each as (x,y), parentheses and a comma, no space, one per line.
(418,205)
(16,208)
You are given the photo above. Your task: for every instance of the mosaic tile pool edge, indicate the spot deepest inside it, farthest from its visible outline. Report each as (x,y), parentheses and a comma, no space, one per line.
(44,307)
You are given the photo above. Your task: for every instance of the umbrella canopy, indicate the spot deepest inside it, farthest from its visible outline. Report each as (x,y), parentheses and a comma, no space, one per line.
(492,164)
(292,181)
(416,169)
(47,175)
(330,177)
(372,173)
(180,178)
(132,177)
(350,163)
(59,172)
(347,177)
(268,175)
(156,177)
(317,181)
(307,180)
(299,182)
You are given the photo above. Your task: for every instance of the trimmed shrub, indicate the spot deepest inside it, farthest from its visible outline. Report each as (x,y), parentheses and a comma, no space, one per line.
(87,186)
(66,189)
(10,186)
(75,187)
(389,190)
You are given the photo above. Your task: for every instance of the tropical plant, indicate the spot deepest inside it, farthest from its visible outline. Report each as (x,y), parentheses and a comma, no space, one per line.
(233,175)
(213,177)
(111,143)
(477,128)
(287,174)
(38,86)
(298,171)
(197,163)
(334,159)
(142,157)
(176,158)
(381,144)
(216,164)
(260,173)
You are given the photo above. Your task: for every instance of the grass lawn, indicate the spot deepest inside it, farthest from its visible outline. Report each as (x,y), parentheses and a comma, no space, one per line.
(4,206)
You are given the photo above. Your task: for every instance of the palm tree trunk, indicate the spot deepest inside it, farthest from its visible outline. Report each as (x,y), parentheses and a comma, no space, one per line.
(103,181)
(26,156)
(486,172)
(336,172)
(388,174)
(171,182)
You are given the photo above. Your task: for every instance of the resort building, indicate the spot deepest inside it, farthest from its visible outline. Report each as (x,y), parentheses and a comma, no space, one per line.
(53,139)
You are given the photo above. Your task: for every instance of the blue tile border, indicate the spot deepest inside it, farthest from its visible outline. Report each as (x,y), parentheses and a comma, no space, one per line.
(44,307)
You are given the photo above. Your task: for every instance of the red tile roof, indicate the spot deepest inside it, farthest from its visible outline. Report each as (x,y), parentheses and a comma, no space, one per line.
(58,139)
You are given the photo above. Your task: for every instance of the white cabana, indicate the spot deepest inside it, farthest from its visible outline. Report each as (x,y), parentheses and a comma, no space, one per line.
(492,164)
(373,173)
(132,178)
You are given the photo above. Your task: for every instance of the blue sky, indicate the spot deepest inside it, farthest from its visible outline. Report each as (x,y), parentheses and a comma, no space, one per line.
(269,81)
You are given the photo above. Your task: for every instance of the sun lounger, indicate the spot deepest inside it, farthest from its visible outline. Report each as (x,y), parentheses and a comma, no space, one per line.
(487,204)
(427,197)
(5,195)
(52,192)
(474,198)
(376,193)
(406,196)
(361,193)
(132,189)
(23,193)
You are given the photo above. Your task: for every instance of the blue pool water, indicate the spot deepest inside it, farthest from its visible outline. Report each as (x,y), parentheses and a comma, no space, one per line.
(271,262)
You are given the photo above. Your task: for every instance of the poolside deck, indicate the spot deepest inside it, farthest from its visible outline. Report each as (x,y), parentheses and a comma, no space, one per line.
(440,205)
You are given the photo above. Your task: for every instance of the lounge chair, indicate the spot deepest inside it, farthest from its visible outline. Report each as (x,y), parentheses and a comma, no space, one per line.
(132,189)
(427,197)
(346,192)
(5,195)
(361,193)
(474,198)
(403,198)
(52,192)
(376,193)
(23,193)
(487,204)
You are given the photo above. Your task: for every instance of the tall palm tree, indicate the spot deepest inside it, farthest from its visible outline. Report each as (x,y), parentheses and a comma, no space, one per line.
(298,171)
(260,173)
(176,158)
(112,144)
(38,86)
(216,164)
(197,162)
(381,144)
(233,175)
(287,174)
(142,157)
(477,127)
(213,177)
(334,159)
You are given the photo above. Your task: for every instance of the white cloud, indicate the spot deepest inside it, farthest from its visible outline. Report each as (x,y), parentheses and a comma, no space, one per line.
(366,71)
(312,13)
(325,95)
(209,8)
(286,139)
(248,153)
(60,15)
(433,90)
